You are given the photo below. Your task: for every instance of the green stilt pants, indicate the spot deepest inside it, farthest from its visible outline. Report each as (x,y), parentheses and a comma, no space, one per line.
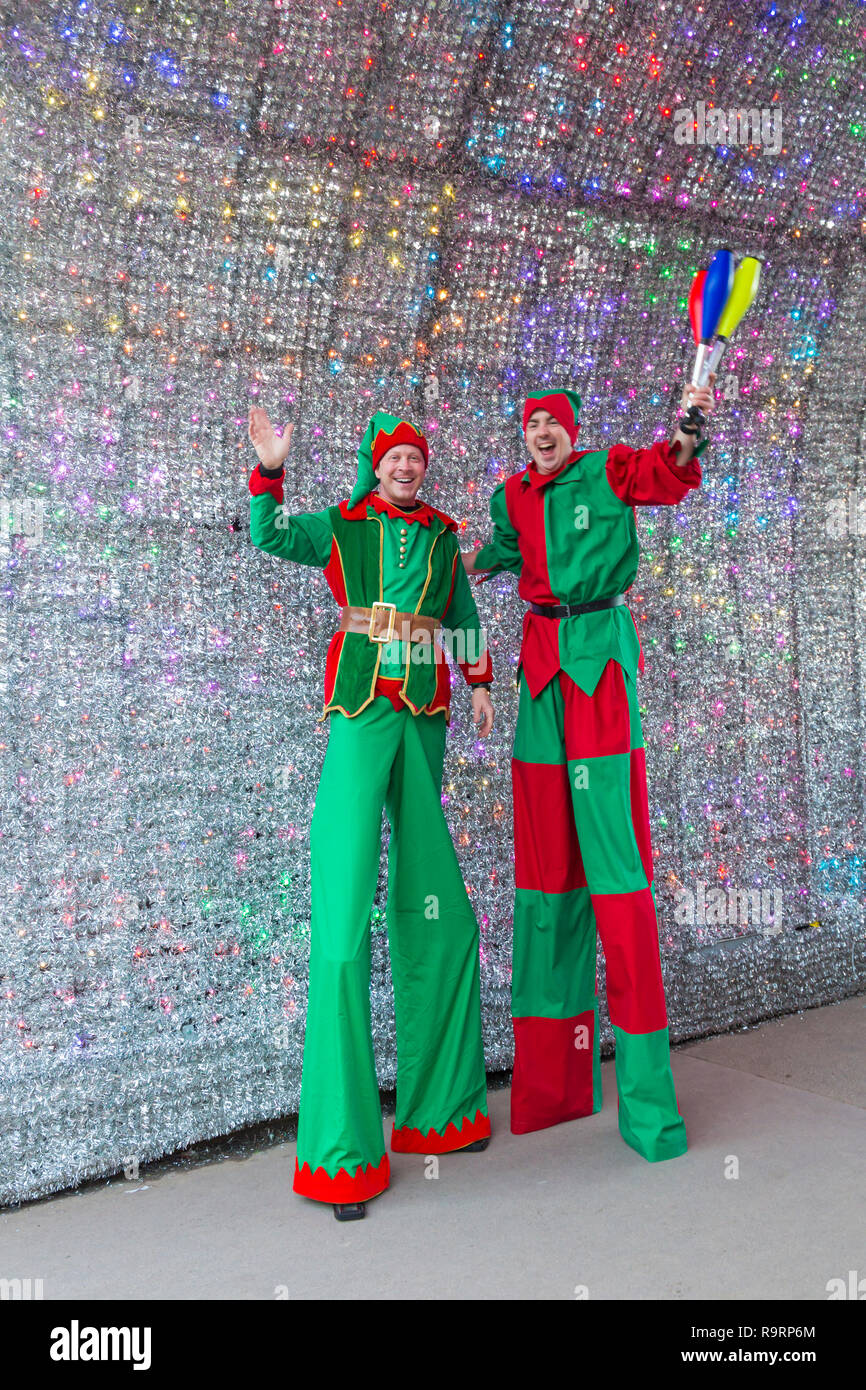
(385,758)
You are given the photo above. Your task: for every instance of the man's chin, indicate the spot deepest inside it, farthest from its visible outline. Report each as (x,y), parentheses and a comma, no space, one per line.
(547,465)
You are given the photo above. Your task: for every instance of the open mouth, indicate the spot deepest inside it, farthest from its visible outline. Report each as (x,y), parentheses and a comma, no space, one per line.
(547,451)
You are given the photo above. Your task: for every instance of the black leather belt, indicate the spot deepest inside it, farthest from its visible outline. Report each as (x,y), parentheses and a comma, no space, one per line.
(570,610)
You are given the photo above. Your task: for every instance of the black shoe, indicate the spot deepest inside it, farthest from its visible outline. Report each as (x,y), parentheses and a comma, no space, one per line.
(478,1147)
(350,1211)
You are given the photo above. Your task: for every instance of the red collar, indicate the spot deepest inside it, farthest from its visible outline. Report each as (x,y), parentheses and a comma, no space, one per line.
(380,504)
(535,479)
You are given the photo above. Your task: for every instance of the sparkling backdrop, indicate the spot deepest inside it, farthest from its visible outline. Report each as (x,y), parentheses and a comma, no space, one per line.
(330,208)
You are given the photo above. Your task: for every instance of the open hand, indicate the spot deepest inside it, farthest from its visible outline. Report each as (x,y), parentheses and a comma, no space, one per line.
(271,447)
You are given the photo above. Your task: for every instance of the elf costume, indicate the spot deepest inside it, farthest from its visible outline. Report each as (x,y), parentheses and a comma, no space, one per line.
(583,858)
(399,581)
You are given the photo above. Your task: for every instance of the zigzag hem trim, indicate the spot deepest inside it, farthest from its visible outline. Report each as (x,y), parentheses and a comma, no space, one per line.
(366,1181)
(407,1140)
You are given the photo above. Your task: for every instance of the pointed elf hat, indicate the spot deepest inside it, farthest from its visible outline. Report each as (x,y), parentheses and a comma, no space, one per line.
(382,433)
(564,406)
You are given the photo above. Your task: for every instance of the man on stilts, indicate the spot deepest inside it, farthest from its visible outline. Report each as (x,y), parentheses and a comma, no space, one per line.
(583,860)
(393,565)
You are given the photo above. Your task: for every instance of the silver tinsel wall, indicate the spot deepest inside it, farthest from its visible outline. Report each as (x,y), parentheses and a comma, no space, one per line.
(428,208)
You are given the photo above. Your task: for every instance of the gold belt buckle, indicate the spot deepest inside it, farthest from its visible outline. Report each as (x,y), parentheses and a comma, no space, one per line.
(393,618)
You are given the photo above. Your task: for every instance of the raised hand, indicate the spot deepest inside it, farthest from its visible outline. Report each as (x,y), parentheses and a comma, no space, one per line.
(271,447)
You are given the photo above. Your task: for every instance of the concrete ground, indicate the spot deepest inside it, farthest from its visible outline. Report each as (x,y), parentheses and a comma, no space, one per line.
(563,1213)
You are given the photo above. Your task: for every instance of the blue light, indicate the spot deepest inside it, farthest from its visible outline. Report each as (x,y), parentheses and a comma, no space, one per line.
(168,65)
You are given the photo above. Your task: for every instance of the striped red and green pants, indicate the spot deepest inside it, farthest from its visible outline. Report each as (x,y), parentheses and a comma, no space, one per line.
(583,863)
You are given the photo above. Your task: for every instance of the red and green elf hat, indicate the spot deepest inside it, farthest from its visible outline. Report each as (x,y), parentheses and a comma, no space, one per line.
(563,405)
(382,433)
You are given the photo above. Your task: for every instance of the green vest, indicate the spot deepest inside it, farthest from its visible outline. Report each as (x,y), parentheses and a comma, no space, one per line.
(360,544)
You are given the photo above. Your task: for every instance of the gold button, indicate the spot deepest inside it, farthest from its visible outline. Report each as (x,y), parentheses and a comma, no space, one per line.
(403,531)
(401,565)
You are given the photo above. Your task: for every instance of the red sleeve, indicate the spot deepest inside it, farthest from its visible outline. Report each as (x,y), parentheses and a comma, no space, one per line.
(649,477)
(260,484)
(476,672)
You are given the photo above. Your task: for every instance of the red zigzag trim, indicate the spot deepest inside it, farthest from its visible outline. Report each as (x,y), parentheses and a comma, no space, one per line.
(407,1140)
(366,1181)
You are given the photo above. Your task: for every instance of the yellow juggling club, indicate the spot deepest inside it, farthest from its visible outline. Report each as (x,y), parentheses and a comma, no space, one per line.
(747,278)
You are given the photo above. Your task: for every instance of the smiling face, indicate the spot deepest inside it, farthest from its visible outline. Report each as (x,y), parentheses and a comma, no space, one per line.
(547,441)
(401,473)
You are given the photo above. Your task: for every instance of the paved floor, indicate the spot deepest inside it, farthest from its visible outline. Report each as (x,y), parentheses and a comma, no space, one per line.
(544,1215)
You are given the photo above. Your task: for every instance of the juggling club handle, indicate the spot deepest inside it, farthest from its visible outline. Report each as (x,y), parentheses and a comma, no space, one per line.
(693,421)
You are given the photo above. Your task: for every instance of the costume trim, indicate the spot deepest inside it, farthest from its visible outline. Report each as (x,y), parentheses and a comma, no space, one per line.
(366,1181)
(407,1140)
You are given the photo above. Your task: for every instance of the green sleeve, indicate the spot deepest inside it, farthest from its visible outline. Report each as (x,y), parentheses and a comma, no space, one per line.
(305,537)
(503,552)
(462,634)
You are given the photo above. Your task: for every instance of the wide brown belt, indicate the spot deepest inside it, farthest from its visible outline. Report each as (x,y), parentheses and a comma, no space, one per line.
(383,623)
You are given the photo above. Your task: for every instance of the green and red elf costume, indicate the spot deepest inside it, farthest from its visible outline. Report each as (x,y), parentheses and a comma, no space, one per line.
(398,578)
(583,859)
